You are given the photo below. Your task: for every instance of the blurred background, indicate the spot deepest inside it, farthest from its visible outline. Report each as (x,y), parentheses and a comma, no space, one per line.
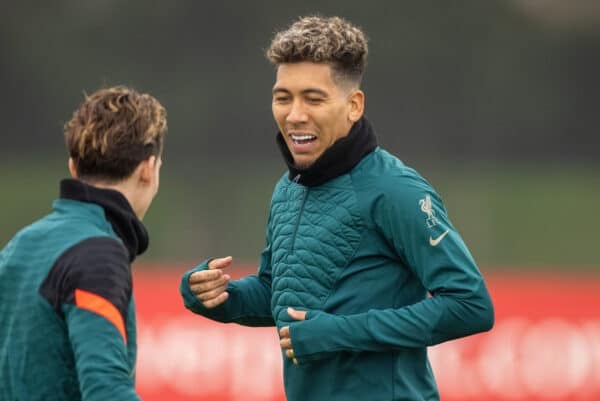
(494,102)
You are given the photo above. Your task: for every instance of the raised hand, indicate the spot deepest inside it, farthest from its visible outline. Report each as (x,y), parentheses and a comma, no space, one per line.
(210,286)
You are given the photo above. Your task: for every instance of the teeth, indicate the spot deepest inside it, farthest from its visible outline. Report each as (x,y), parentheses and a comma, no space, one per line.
(303,137)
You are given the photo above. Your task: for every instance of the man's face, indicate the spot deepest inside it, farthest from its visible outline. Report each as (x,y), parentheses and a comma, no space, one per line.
(311,111)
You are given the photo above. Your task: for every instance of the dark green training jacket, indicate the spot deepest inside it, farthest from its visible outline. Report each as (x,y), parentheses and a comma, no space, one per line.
(363,243)
(66,307)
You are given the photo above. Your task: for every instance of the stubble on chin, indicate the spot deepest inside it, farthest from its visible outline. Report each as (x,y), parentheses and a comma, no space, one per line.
(303,165)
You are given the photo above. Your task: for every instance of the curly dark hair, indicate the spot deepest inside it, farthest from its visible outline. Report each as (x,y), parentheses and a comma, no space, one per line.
(112,131)
(318,39)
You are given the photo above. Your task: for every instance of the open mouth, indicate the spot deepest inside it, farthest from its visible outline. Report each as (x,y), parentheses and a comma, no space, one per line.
(303,139)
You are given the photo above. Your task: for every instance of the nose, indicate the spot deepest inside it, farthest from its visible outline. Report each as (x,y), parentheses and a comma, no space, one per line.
(297,113)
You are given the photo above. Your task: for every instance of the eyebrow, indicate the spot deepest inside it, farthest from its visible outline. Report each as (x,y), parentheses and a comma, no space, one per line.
(307,91)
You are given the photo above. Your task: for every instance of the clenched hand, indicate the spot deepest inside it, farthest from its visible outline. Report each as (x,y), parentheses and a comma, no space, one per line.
(285,341)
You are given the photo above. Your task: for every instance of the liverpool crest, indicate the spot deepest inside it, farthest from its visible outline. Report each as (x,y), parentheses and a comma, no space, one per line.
(427,208)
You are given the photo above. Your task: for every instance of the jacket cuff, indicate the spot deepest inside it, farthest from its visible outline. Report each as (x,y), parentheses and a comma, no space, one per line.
(311,337)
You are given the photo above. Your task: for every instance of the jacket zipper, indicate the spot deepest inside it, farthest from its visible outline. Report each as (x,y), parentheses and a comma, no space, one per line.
(304,196)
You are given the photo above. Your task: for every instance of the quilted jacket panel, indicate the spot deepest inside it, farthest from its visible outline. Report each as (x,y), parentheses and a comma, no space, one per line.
(315,233)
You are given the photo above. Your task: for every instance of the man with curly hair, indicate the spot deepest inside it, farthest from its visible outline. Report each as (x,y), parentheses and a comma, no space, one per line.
(68,327)
(362,269)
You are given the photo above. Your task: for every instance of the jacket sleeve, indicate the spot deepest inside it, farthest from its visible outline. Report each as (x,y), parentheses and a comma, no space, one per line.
(90,288)
(249,301)
(412,218)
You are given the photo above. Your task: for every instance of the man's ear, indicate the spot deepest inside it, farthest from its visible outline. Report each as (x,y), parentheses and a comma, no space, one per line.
(72,168)
(146,169)
(357,105)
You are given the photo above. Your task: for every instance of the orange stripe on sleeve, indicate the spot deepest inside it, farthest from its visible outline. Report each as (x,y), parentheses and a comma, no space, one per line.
(100,306)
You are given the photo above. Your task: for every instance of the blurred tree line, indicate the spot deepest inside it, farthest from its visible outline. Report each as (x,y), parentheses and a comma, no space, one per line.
(499,86)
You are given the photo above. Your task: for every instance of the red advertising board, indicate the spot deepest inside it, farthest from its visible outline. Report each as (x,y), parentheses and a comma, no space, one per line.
(545,345)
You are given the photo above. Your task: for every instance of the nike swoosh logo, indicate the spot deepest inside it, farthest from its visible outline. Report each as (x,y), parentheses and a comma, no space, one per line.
(434,242)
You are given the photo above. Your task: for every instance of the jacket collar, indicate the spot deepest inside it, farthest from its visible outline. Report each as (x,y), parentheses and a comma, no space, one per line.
(340,158)
(117,209)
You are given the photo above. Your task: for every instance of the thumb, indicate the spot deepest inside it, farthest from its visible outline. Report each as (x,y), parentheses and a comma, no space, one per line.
(220,263)
(296,314)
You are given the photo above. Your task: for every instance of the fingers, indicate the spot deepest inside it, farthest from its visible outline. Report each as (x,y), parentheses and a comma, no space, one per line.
(205,275)
(202,284)
(290,355)
(211,303)
(286,344)
(296,314)
(208,295)
(284,332)
(220,263)
(209,286)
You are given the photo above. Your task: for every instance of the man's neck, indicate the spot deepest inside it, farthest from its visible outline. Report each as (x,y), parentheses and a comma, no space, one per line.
(126,188)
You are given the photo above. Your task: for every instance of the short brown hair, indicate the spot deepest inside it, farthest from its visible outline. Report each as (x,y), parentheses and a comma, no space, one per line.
(318,39)
(112,131)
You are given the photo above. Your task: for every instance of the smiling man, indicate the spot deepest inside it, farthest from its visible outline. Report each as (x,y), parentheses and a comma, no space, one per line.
(362,269)
(312,110)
